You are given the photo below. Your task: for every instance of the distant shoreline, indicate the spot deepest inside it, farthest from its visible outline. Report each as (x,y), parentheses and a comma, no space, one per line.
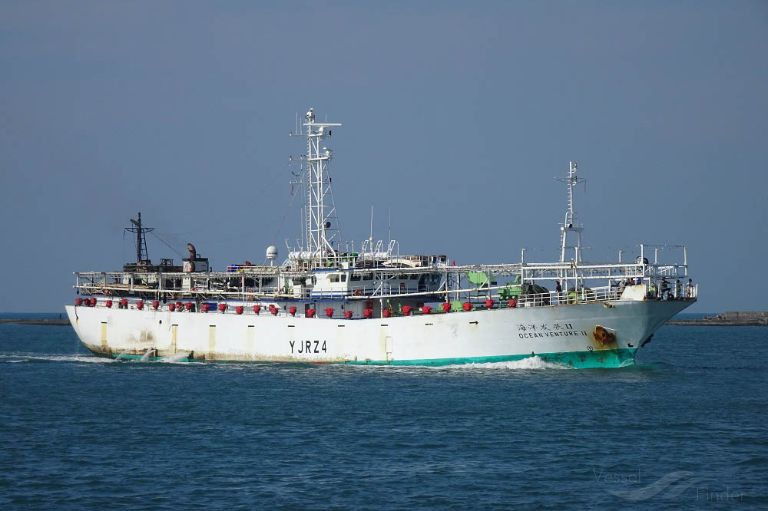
(35,321)
(726,319)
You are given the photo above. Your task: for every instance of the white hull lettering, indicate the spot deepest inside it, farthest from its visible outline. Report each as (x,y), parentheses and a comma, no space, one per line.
(537,335)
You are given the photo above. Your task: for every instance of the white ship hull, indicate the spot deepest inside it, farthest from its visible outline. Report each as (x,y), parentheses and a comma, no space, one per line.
(561,333)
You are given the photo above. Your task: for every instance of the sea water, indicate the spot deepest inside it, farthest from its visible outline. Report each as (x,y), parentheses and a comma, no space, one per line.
(684,428)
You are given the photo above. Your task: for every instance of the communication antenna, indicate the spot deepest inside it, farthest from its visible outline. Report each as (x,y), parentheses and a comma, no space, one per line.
(320,211)
(570,224)
(370,237)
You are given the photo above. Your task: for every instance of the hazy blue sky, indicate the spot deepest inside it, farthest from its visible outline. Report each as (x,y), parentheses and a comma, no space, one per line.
(456,115)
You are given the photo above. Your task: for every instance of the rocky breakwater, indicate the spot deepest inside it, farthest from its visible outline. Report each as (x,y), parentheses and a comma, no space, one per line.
(759,318)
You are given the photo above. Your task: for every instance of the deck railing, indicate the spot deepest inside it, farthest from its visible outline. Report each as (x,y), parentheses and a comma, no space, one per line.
(255,286)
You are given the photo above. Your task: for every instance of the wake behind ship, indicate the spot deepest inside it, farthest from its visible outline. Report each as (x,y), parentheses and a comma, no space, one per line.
(330,303)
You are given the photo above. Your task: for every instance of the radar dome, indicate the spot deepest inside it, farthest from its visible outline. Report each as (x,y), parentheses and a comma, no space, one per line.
(271,253)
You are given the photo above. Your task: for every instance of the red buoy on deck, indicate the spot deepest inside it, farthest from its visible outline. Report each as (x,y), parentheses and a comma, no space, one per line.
(466,306)
(446,306)
(406,310)
(256,309)
(124,303)
(108,304)
(189,306)
(348,314)
(78,301)
(329,312)
(222,307)
(292,310)
(239,309)
(426,309)
(205,307)
(386,313)
(155,304)
(273,310)
(368,313)
(171,306)
(489,304)
(512,303)
(140,305)
(93,302)
(179,306)
(310,313)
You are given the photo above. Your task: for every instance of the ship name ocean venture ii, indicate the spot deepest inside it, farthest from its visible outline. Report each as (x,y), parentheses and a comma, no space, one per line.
(330,303)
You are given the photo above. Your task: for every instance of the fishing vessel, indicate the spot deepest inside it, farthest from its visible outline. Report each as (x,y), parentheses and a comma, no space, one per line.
(330,303)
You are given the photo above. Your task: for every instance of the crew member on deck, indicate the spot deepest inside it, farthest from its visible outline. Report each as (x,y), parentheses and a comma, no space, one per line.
(664,289)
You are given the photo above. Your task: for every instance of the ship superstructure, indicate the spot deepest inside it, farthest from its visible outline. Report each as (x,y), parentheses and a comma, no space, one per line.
(329,303)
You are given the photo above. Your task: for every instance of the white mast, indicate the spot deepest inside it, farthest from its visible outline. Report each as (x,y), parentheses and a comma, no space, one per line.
(570,224)
(319,208)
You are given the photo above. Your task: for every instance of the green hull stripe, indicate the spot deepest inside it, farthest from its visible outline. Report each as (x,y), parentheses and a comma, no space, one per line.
(576,359)
(128,356)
